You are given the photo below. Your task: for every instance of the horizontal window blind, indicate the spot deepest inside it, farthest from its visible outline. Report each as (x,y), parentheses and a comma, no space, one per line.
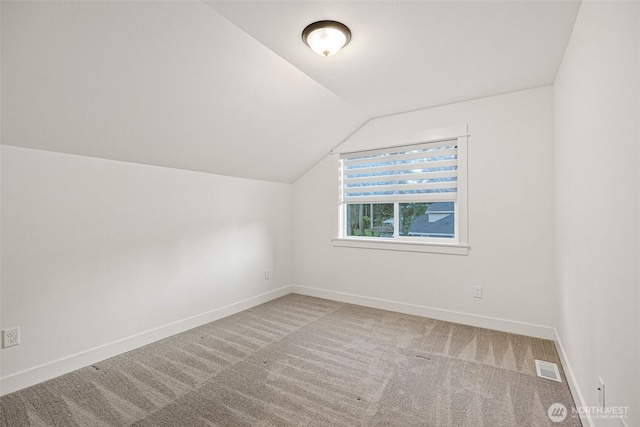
(422,172)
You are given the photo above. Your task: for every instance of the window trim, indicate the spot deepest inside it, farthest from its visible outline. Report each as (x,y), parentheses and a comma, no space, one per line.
(401,245)
(457,246)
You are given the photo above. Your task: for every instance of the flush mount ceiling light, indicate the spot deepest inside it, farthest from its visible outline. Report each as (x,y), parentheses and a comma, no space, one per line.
(326,37)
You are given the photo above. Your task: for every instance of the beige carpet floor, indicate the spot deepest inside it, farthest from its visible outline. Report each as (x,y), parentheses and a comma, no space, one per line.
(303,361)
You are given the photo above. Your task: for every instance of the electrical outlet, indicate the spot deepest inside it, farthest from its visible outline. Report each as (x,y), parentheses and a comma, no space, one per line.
(477,291)
(601,400)
(267,274)
(10,337)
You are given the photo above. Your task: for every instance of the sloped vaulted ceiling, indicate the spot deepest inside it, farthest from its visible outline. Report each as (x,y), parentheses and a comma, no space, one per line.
(164,83)
(229,87)
(409,55)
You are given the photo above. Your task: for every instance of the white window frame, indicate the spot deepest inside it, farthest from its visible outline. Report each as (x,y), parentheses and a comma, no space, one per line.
(455,246)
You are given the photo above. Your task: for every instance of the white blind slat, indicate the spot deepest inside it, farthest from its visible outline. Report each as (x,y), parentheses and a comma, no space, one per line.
(422,155)
(409,167)
(402,177)
(402,187)
(451,197)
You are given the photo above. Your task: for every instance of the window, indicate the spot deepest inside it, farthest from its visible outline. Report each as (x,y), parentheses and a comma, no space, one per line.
(412,194)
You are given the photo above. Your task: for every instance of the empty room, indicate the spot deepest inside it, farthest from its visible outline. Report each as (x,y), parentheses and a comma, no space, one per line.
(320,213)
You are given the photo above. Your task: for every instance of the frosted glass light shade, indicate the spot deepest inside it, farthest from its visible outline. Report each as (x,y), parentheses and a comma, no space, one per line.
(326,37)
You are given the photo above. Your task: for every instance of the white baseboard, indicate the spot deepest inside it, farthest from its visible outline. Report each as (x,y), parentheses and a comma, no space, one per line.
(571,380)
(538,331)
(50,370)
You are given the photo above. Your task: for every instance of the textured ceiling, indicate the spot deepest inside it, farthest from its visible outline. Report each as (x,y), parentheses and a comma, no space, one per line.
(229,87)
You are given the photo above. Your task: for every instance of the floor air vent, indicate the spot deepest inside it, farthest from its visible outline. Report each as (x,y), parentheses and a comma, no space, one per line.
(547,370)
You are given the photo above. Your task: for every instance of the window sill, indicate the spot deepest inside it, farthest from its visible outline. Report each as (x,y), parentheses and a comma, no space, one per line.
(434,248)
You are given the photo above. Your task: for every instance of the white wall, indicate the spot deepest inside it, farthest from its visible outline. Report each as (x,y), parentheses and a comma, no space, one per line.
(511,226)
(98,251)
(597,118)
